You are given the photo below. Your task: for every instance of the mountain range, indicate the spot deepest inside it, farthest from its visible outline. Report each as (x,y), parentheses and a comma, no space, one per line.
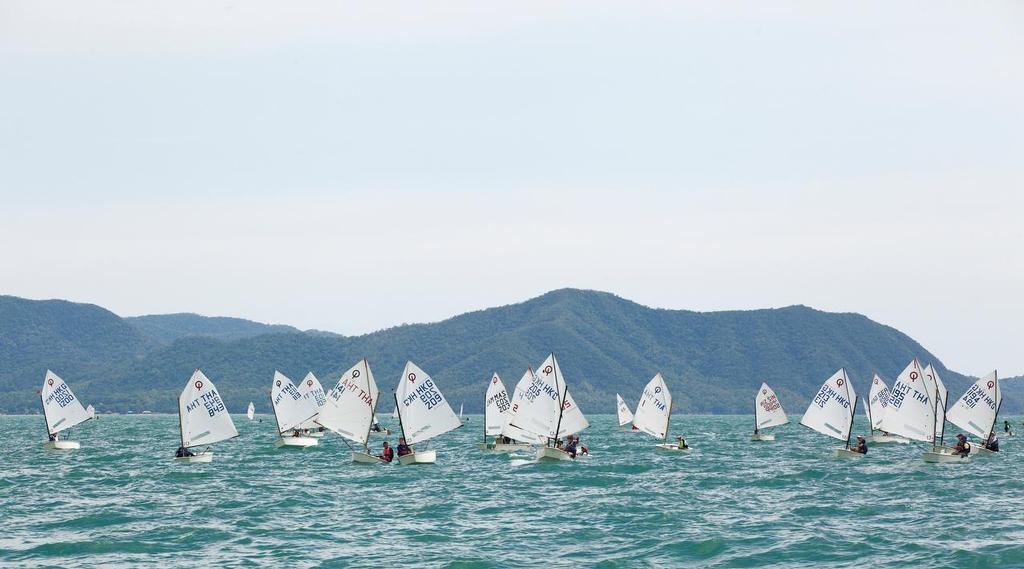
(713,361)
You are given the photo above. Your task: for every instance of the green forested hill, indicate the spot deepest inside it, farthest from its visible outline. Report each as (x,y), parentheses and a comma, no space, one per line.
(166,328)
(605,344)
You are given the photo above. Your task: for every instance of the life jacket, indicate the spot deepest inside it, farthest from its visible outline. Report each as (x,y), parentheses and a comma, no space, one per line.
(389,454)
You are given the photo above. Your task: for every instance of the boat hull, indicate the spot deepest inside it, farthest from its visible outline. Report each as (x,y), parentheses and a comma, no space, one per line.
(978,450)
(365,458)
(883,439)
(62,445)
(846,453)
(551,453)
(419,457)
(941,457)
(315,434)
(296,442)
(669,447)
(205,456)
(764,437)
(383,433)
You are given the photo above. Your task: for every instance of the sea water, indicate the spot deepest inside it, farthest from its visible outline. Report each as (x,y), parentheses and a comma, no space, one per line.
(121,501)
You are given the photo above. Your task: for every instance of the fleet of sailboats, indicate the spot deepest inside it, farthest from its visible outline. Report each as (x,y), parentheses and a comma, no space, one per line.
(768,413)
(291,411)
(202,418)
(545,411)
(832,410)
(423,413)
(61,410)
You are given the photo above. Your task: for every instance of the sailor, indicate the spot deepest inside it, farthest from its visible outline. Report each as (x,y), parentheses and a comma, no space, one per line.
(54,437)
(992,443)
(388,454)
(682,443)
(570,447)
(375,427)
(183,452)
(862,445)
(403,449)
(962,448)
(1006,427)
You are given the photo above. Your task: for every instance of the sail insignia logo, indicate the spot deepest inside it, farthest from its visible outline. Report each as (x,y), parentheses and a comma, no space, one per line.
(199,385)
(355,374)
(278,383)
(309,383)
(548,370)
(49,381)
(412,377)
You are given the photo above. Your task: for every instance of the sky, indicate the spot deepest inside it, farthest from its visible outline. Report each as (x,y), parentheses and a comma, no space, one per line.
(350,166)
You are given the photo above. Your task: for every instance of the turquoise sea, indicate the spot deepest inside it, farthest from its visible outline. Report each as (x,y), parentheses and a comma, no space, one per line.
(121,501)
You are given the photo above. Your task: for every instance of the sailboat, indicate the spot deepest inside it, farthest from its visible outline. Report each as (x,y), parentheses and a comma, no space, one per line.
(874,407)
(394,413)
(314,395)
(61,410)
(461,420)
(832,410)
(546,409)
(520,437)
(423,413)
(291,410)
(977,411)
(939,395)
(497,410)
(625,415)
(654,411)
(91,411)
(202,418)
(768,413)
(349,410)
(251,411)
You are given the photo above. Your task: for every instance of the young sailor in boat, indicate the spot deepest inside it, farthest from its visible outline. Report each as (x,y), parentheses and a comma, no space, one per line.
(54,437)
(682,443)
(570,447)
(375,427)
(183,452)
(992,443)
(403,449)
(862,445)
(1006,427)
(388,454)
(962,448)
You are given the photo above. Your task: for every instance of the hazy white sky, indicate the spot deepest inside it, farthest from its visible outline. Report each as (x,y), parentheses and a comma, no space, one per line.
(351,166)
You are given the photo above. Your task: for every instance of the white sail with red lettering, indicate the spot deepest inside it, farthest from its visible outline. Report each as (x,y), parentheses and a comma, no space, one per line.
(768,410)
(349,405)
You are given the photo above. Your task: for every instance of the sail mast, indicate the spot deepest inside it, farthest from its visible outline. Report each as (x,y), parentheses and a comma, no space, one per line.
(561,397)
(373,407)
(871,422)
(400,425)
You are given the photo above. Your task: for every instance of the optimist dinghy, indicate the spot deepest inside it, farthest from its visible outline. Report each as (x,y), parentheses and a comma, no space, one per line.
(61,411)
(768,413)
(497,411)
(625,415)
(251,411)
(874,408)
(654,413)
(423,413)
(543,408)
(314,396)
(202,418)
(291,411)
(977,412)
(832,410)
(349,410)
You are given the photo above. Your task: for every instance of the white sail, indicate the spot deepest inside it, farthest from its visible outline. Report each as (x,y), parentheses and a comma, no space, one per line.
(351,403)
(91,411)
(314,395)
(571,420)
(654,408)
(625,415)
(251,411)
(496,407)
(831,411)
(290,409)
(976,411)
(768,410)
(528,409)
(61,408)
(877,403)
(910,411)
(394,413)
(939,388)
(460,411)
(422,409)
(203,416)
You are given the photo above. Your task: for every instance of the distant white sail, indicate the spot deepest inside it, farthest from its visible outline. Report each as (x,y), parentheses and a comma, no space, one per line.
(911,410)
(654,408)
(528,409)
(351,403)
(976,411)
(394,413)
(625,415)
(932,375)
(571,420)
(768,410)
(831,411)
(251,411)
(460,411)
(91,411)
(496,407)
(61,408)
(290,409)
(877,403)
(314,395)
(422,409)
(204,418)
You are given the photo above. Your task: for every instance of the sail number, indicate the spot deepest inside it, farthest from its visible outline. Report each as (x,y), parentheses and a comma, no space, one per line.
(427,393)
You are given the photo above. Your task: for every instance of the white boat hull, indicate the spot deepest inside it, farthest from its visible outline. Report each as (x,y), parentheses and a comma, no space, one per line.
(383,433)
(763,437)
(882,439)
(847,453)
(978,450)
(941,457)
(365,458)
(62,445)
(205,456)
(669,447)
(419,457)
(551,453)
(315,434)
(298,442)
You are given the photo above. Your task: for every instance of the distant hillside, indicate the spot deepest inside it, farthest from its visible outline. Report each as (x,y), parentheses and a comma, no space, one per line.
(712,361)
(166,328)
